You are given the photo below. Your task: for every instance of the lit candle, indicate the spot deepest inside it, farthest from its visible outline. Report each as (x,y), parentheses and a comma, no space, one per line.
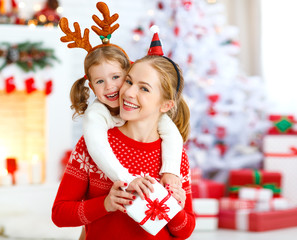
(5,178)
(36,169)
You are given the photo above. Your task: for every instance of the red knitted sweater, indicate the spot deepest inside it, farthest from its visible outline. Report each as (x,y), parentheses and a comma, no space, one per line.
(81,194)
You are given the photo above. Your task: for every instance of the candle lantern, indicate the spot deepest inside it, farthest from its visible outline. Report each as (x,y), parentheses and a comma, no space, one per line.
(11,166)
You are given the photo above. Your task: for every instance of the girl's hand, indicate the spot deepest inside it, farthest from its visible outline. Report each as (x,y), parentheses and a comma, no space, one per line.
(142,185)
(170,179)
(178,193)
(117,198)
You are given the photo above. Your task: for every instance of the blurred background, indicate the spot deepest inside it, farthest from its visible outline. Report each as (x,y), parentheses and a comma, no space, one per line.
(238,62)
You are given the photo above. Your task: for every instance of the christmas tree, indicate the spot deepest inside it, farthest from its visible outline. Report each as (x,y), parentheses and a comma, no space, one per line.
(228,118)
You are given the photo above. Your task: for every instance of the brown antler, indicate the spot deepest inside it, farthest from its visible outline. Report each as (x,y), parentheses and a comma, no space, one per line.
(107,21)
(78,41)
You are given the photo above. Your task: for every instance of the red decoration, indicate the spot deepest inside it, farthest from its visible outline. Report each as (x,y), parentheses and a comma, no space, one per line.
(194,141)
(14,5)
(138,30)
(30,85)
(9,84)
(212,111)
(160,5)
(187,4)
(222,148)
(48,87)
(156,209)
(11,165)
(221,132)
(213,98)
(190,59)
(176,30)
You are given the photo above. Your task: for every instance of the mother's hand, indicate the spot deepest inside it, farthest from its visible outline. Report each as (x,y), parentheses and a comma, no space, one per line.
(117,198)
(178,193)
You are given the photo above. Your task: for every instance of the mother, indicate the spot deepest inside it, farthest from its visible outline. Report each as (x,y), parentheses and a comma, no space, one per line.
(152,87)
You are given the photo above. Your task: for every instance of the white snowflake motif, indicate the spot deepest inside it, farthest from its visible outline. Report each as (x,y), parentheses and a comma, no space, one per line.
(185,178)
(73,156)
(83,160)
(93,168)
(101,174)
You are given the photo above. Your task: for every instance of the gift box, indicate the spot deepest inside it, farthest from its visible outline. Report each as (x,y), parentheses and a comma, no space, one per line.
(256,194)
(206,212)
(272,204)
(227,203)
(254,178)
(281,124)
(207,189)
(154,212)
(280,154)
(248,220)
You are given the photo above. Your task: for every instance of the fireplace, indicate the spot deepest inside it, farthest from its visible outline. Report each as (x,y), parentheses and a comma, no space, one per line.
(22,134)
(37,129)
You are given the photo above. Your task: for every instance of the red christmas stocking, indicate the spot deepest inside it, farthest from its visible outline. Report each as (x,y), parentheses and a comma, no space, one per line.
(9,84)
(30,85)
(48,86)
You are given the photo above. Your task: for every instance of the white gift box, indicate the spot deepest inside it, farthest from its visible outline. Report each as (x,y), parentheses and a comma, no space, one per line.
(281,155)
(227,203)
(206,212)
(256,194)
(273,204)
(143,211)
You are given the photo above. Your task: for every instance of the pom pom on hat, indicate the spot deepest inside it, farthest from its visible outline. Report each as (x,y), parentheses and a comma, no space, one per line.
(156,46)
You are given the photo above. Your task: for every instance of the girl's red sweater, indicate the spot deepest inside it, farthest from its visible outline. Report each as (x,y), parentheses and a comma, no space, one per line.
(83,188)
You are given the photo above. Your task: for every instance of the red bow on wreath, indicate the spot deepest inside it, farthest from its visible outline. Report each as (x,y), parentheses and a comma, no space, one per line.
(156,209)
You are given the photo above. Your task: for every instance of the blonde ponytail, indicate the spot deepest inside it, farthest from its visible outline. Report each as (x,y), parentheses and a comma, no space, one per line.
(181,118)
(79,95)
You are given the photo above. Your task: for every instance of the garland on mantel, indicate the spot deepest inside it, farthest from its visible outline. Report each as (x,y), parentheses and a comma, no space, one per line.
(33,60)
(27,55)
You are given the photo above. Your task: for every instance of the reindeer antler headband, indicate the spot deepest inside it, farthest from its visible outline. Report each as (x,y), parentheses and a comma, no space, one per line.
(104,30)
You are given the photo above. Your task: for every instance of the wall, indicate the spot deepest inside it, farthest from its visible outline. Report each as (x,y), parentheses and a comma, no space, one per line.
(246,15)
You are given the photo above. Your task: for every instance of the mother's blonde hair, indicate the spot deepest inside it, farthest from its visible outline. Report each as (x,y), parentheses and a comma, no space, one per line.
(180,113)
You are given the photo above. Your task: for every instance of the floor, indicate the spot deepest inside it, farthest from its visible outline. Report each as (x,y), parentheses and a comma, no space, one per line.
(285,234)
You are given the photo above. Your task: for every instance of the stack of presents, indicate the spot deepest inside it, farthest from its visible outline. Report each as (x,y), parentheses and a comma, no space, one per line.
(254,200)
